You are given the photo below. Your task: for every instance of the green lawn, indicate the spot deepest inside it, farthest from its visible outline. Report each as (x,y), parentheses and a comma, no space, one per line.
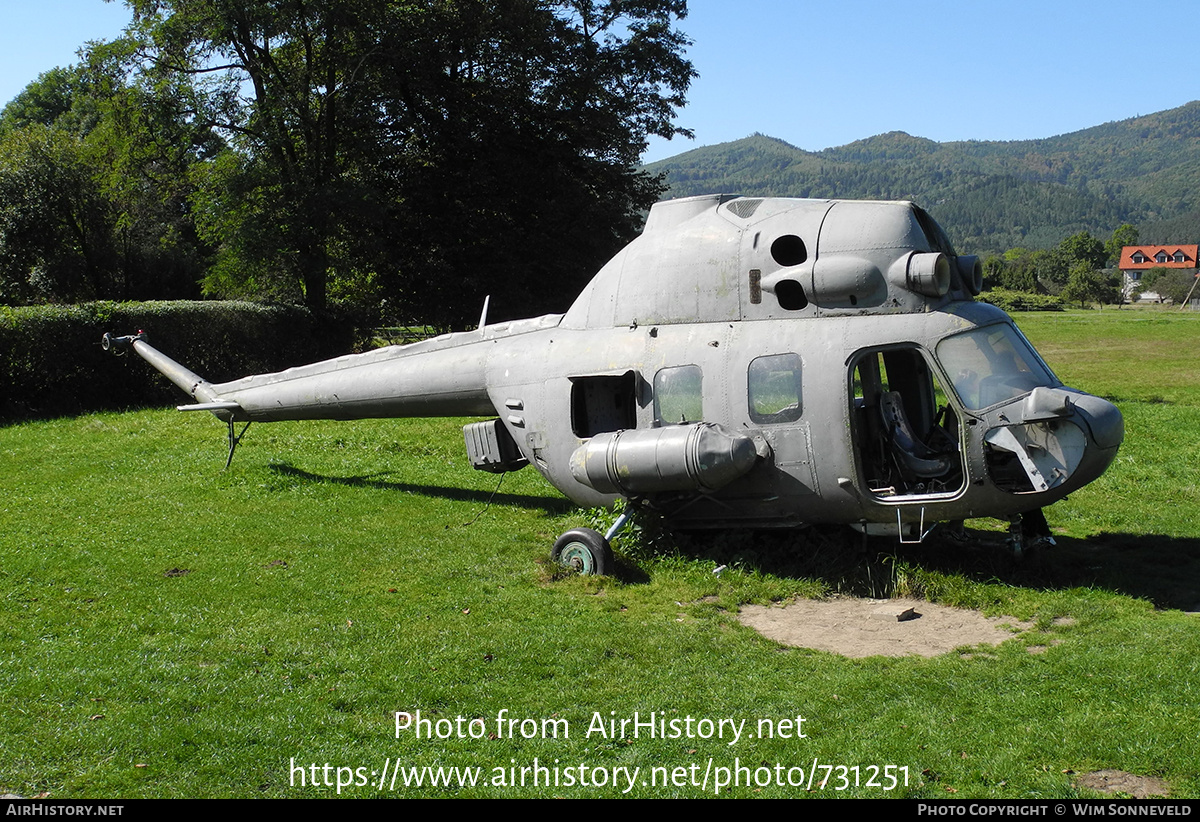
(171,630)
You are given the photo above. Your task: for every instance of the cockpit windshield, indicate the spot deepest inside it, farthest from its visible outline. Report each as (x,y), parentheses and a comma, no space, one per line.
(991,365)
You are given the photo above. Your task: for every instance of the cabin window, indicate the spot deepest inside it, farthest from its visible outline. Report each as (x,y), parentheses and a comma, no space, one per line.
(677,395)
(773,389)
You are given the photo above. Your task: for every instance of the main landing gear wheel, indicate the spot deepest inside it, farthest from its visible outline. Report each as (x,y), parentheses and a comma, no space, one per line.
(584,550)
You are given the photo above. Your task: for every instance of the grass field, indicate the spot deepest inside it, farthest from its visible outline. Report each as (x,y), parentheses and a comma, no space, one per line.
(172,630)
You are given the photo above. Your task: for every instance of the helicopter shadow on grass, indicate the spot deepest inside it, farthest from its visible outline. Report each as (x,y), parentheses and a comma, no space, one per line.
(554,506)
(1162,570)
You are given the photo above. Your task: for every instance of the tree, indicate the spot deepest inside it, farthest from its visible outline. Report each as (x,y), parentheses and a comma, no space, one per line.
(1014,272)
(94,187)
(993,271)
(1083,248)
(1085,284)
(55,239)
(55,98)
(1050,267)
(424,151)
(1172,284)
(1145,283)
(1123,235)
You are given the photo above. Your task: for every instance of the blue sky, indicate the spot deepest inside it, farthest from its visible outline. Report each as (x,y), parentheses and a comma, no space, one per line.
(823,73)
(820,74)
(37,35)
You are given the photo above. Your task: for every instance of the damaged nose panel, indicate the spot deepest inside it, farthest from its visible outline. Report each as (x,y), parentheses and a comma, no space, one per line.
(1060,431)
(1048,452)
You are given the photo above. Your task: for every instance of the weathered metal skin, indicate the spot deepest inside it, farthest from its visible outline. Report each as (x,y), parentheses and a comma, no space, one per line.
(777,332)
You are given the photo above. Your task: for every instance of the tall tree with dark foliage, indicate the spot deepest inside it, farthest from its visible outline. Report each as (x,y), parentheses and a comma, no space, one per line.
(421,153)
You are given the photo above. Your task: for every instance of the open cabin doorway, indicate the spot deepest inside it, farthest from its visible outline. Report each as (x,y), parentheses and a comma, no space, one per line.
(906,432)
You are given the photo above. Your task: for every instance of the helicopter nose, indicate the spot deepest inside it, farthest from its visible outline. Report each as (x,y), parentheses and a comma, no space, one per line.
(1104,421)
(1105,428)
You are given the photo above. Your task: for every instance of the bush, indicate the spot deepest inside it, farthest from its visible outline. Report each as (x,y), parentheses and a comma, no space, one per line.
(51,362)
(1007,300)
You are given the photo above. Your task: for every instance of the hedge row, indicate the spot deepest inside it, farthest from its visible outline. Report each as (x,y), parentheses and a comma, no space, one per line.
(51,362)
(1008,300)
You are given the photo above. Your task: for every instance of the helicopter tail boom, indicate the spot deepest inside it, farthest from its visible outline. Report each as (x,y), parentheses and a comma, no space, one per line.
(401,381)
(189,381)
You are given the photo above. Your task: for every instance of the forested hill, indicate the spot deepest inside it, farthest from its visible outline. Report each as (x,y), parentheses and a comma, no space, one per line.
(990,196)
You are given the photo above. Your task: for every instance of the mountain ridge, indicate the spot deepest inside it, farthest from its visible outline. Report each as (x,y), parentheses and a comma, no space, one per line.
(988,195)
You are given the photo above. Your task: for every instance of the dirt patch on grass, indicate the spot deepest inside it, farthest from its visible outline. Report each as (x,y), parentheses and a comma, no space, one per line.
(869,627)
(1110,781)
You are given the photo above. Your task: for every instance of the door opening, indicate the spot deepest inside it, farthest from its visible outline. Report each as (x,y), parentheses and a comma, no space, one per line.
(906,431)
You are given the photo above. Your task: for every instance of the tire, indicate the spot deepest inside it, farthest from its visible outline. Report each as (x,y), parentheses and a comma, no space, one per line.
(585,551)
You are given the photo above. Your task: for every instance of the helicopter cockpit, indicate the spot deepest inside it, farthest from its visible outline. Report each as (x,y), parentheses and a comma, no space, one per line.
(910,405)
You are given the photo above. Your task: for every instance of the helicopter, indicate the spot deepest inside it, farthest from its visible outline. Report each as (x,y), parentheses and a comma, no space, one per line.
(746,362)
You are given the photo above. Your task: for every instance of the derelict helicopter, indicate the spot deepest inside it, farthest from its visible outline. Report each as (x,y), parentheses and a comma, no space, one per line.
(745,362)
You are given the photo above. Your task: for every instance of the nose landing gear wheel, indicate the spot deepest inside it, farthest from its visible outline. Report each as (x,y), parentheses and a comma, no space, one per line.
(585,551)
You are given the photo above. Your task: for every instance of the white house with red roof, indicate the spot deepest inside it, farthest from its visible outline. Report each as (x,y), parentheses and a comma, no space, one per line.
(1138,259)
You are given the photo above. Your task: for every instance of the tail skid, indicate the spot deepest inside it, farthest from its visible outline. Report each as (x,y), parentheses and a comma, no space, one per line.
(191,382)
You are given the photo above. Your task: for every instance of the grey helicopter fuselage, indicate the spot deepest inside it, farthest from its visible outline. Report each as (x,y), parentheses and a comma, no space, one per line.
(761,362)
